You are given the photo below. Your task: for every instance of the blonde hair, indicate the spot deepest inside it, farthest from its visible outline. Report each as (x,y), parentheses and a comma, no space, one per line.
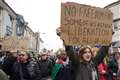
(60,51)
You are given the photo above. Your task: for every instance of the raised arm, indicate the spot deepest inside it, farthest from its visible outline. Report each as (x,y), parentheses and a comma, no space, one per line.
(74,58)
(100,55)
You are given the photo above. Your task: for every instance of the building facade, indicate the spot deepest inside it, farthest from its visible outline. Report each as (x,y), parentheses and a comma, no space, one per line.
(115,9)
(14,27)
(23,30)
(7,20)
(33,40)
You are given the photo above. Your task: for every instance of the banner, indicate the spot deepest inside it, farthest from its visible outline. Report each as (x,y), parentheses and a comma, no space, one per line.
(83,24)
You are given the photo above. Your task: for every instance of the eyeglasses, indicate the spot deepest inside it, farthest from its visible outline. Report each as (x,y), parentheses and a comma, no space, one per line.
(43,55)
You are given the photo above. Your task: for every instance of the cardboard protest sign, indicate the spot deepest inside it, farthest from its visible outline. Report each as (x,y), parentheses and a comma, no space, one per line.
(83,24)
(9,43)
(13,43)
(23,43)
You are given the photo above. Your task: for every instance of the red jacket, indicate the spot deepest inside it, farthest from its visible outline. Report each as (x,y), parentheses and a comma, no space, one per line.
(103,69)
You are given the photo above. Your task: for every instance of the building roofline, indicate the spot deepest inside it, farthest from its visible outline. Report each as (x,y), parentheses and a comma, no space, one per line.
(30,30)
(113,4)
(8,8)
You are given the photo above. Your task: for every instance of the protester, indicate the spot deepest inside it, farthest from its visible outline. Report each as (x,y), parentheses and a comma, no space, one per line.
(102,67)
(103,70)
(117,58)
(113,64)
(45,65)
(9,60)
(25,68)
(62,69)
(83,64)
(57,66)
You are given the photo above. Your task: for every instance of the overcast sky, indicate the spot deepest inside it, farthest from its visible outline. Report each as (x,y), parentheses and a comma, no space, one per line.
(44,16)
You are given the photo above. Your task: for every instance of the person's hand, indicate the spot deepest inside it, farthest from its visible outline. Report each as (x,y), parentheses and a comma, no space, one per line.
(103,72)
(114,74)
(58,31)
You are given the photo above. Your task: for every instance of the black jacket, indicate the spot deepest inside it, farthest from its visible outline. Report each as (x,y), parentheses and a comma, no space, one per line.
(27,71)
(45,67)
(81,70)
(8,65)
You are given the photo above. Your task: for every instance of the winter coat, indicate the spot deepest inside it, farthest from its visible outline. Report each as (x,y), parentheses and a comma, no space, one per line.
(55,71)
(62,72)
(45,67)
(7,66)
(112,68)
(83,71)
(27,71)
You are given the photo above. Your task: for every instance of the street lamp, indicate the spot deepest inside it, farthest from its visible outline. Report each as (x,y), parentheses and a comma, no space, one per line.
(38,41)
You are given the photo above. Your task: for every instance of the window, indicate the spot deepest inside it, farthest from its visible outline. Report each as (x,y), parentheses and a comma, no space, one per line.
(1,10)
(8,31)
(20,31)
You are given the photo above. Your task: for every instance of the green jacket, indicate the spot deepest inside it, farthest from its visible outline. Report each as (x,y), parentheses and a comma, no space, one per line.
(55,70)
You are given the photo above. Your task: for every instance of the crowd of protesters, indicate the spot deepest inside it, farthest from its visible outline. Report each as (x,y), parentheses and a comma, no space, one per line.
(68,63)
